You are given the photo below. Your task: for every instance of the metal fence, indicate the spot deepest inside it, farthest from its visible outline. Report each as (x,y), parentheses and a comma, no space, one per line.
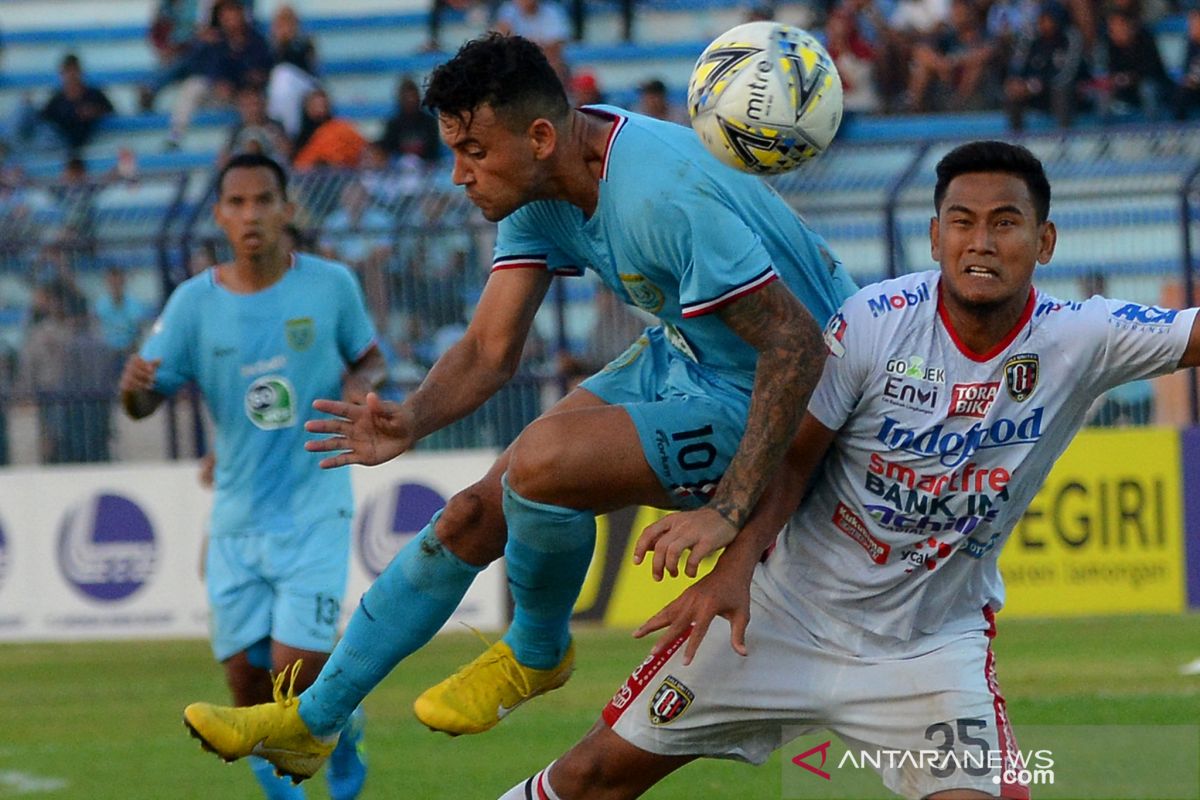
(422,253)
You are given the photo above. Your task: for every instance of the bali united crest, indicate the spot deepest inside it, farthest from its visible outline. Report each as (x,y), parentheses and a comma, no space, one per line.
(671,700)
(1021,375)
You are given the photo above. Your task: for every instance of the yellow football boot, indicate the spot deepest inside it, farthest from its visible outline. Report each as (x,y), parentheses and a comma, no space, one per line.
(273,731)
(482,693)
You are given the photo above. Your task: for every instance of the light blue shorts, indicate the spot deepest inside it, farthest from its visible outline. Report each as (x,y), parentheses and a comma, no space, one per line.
(285,586)
(689,418)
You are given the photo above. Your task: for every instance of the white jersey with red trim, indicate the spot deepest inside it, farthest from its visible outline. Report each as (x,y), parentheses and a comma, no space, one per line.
(679,235)
(940,450)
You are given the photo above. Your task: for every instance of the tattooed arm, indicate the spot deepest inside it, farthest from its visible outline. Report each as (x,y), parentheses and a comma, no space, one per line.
(790,357)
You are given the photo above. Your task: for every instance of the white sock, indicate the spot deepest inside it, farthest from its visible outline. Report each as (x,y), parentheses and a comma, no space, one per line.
(535,788)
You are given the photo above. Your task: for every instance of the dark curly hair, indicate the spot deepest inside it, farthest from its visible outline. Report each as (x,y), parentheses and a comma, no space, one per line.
(508,73)
(993,156)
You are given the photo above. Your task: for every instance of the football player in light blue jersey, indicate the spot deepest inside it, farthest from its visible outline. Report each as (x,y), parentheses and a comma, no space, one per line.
(700,406)
(263,336)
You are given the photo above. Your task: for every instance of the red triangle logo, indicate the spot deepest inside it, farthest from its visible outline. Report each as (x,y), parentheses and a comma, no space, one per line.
(823,749)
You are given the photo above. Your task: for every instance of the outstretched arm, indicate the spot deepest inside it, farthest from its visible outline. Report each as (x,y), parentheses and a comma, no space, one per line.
(725,592)
(464,377)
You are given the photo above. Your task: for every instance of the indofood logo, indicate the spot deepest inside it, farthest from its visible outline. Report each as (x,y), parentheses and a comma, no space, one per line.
(106,547)
(389,519)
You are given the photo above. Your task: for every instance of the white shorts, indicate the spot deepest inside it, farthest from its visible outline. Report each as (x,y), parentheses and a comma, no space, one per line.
(923,695)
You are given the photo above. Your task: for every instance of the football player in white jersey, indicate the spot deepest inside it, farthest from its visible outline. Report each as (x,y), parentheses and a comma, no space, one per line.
(873,609)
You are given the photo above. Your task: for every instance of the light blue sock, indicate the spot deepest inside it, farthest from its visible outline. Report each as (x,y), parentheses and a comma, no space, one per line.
(401,611)
(273,786)
(547,556)
(347,769)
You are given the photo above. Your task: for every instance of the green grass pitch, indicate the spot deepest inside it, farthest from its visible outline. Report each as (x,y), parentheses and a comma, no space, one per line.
(102,721)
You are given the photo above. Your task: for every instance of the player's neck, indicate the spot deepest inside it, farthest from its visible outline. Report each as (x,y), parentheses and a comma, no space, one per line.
(253,273)
(981,328)
(582,161)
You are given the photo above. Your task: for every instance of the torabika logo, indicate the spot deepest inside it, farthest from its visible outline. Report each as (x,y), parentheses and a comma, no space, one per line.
(106,547)
(388,519)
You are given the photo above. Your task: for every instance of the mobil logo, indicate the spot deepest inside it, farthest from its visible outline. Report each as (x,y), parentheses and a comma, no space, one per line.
(389,518)
(106,547)
(953,447)
(907,297)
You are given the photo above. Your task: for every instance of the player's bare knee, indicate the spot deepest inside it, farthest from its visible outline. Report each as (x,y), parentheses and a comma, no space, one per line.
(472,525)
(535,466)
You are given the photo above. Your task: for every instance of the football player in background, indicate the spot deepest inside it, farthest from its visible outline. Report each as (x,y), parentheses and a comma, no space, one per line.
(263,336)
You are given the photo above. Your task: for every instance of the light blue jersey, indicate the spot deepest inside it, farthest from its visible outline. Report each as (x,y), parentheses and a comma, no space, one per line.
(679,235)
(260,360)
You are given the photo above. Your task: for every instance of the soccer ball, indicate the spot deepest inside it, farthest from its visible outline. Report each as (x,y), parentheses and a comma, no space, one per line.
(765,97)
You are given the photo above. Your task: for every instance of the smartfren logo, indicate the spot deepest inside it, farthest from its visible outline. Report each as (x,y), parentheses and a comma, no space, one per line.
(106,547)
(388,520)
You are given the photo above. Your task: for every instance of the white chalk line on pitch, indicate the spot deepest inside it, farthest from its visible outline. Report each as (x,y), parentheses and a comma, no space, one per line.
(26,783)
(1190,668)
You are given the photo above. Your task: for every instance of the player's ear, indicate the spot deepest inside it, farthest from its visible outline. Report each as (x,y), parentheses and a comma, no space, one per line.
(543,138)
(935,242)
(1047,239)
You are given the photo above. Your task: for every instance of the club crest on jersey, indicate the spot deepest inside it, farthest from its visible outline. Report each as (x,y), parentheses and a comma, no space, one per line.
(301,333)
(671,700)
(1021,375)
(644,294)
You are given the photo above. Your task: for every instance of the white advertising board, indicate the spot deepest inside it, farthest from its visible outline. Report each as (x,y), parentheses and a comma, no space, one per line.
(114,551)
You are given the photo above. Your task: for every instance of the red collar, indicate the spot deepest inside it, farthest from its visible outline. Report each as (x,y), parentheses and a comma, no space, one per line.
(1001,346)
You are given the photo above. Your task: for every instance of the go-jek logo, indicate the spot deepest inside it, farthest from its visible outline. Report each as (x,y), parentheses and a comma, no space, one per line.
(388,520)
(106,547)
(954,447)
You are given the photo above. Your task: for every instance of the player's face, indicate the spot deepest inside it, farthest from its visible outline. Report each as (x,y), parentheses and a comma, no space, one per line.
(498,168)
(252,212)
(987,240)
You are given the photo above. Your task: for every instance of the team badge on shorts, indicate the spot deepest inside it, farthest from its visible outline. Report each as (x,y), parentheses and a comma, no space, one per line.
(301,333)
(671,700)
(1021,375)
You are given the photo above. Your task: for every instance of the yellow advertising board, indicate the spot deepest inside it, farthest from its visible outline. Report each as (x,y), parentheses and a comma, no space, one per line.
(616,592)
(1105,533)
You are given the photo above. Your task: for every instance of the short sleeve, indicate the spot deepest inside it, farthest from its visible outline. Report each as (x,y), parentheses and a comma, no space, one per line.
(849,342)
(723,259)
(172,339)
(355,332)
(521,244)
(1141,341)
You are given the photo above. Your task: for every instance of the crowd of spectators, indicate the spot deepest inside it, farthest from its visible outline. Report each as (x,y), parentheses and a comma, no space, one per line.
(1057,58)
(375,201)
